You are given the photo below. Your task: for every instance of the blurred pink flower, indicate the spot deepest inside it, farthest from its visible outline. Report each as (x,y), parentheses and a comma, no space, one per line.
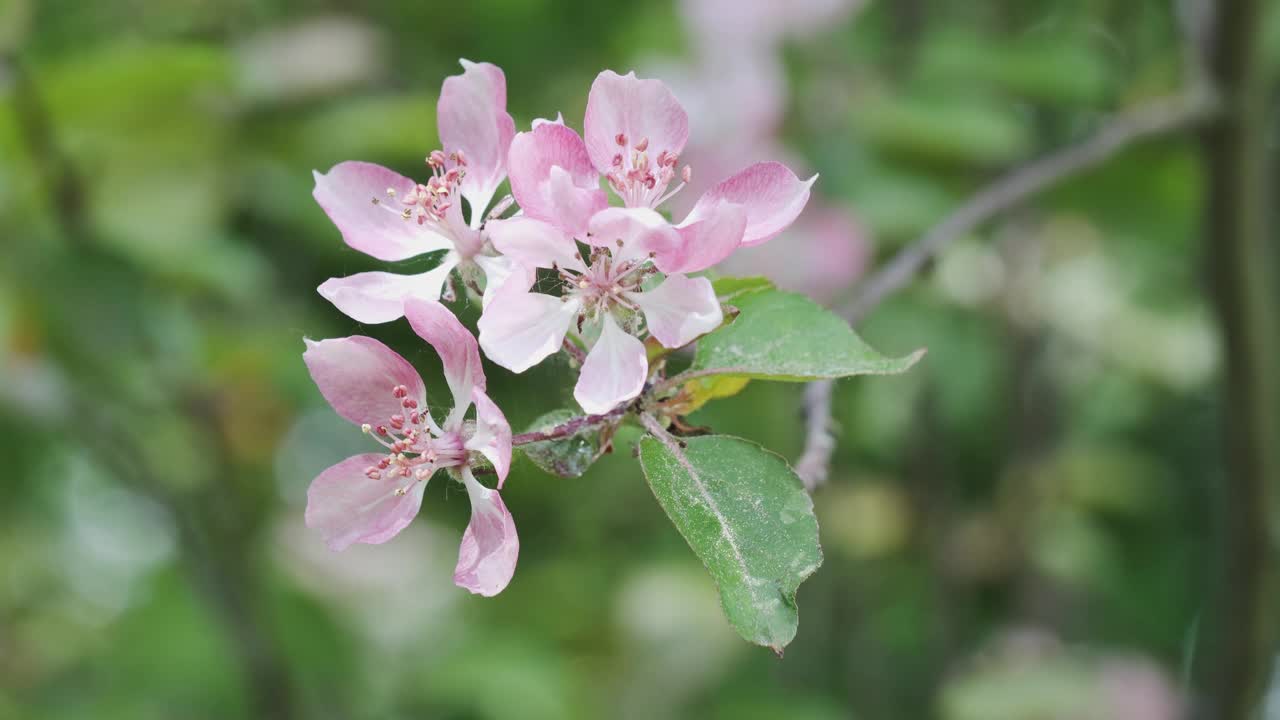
(1135,689)
(822,254)
(369,498)
(730,25)
(737,64)
(386,215)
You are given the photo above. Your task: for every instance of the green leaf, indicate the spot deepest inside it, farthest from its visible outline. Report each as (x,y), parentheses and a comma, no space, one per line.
(701,391)
(569,457)
(788,337)
(727,288)
(747,517)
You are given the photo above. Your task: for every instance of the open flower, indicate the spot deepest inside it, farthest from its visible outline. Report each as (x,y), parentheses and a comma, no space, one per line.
(371,497)
(606,296)
(391,217)
(635,131)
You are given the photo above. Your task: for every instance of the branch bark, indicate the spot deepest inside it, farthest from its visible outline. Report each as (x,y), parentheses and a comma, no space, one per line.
(1152,119)
(814,464)
(570,427)
(1155,118)
(1241,260)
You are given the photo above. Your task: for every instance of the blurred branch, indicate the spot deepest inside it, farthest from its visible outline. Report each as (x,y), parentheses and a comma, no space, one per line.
(63,188)
(1241,257)
(1165,116)
(820,441)
(1154,118)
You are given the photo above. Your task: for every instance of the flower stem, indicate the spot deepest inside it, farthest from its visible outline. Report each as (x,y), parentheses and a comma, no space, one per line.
(570,427)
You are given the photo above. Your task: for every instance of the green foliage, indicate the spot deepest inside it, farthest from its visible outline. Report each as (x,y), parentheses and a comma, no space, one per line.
(747,517)
(785,336)
(1055,67)
(945,127)
(728,288)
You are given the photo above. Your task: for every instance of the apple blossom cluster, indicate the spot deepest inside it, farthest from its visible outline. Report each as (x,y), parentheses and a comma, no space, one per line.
(579,258)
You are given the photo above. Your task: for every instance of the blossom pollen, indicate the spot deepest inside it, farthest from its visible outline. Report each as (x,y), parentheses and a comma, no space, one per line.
(604,282)
(416,448)
(642,182)
(429,203)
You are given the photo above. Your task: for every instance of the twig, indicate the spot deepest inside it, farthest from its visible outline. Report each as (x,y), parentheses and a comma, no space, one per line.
(1152,119)
(570,427)
(820,441)
(62,185)
(574,351)
(655,429)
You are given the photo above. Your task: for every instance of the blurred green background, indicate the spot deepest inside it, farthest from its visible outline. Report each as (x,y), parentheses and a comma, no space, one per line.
(1019,528)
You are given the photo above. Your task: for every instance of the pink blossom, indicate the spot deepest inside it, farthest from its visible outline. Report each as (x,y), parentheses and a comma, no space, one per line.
(391,217)
(604,298)
(371,497)
(635,131)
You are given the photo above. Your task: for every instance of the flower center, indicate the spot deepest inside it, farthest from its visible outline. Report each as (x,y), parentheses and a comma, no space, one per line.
(639,182)
(416,446)
(430,202)
(605,281)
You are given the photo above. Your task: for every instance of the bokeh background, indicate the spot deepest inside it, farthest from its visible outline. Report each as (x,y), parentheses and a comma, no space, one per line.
(1021,528)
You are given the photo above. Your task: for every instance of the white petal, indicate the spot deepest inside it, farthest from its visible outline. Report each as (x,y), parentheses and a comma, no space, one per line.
(490,547)
(614,371)
(518,329)
(378,297)
(497,271)
(680,309)
(456,347)
(492,437)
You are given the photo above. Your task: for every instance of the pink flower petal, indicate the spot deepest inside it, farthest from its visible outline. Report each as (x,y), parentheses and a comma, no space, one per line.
(493,435)
(518,329)
(623,105)
(490,546)
(615,370)
(552,177)
(498,269)
(680,309)
(641,230)
(544,121)
(378,297)
(347,193)
(358,376)
(710,238)
(347,506)
(472,117)
(533,243)
(456,347)
(825,252)
(771,193)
